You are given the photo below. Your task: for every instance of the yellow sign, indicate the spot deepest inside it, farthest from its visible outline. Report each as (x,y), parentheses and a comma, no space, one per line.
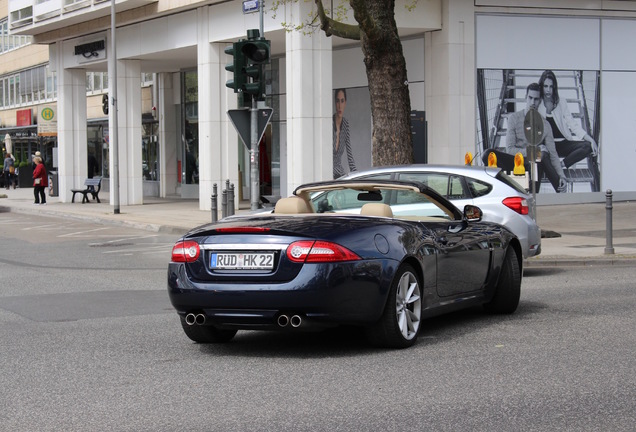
(47,121)
(47,114)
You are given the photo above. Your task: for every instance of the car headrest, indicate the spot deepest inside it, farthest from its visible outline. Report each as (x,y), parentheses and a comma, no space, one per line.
(292,205)
(376,209)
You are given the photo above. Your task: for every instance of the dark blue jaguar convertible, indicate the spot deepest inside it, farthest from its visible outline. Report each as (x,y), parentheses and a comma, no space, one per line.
(333,254)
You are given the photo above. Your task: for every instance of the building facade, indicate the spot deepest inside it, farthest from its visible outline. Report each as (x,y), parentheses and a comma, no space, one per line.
(469,63)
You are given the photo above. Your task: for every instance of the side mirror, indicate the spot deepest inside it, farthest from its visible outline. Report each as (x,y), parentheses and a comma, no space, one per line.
(472,213)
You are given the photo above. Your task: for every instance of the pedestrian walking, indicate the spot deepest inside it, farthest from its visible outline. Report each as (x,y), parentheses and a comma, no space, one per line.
(8,169)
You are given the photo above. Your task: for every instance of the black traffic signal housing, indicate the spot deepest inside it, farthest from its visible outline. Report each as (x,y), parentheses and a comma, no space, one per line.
(249,58)
(105,104)
(257,54)
(236,66)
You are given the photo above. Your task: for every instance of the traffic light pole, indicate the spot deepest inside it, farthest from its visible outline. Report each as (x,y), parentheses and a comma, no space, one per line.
(254,157)
(249,57)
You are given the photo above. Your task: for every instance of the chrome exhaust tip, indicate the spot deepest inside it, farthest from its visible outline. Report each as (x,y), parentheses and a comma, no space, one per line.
(190,319)
(296,321)
(200,319)
(283,320)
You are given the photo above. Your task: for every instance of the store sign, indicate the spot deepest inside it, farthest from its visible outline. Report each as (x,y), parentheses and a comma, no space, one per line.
(23,117)
(91,51)
(47,121)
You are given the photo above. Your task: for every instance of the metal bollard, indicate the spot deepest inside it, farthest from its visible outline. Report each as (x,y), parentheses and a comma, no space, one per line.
(214,207)
(224,203)
(230,200)
(609,249)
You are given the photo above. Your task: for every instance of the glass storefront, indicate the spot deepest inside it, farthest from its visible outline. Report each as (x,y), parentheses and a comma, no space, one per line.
(150,151)
(98,146)
(272,136)
(24,143)
(190,127)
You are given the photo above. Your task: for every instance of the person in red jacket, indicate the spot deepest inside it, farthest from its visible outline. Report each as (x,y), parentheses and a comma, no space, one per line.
(40,181)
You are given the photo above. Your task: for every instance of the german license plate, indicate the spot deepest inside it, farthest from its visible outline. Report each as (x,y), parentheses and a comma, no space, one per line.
(242,261)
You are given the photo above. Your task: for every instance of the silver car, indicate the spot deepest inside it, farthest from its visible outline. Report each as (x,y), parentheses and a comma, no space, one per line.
(501,199)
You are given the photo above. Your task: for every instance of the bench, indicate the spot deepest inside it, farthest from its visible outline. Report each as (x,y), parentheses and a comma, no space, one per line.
(93,185)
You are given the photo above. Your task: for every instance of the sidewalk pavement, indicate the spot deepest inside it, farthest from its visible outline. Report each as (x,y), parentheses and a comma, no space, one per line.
(574,234)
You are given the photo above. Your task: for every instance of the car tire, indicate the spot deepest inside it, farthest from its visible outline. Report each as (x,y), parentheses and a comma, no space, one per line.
(508,290)
(400,323)
(206,333)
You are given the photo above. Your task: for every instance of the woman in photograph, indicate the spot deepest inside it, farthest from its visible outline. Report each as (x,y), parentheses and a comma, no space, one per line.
(572,142)
(341,137)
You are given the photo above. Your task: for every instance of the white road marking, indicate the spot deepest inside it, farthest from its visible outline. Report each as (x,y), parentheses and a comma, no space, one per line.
(125,238)
(83,232)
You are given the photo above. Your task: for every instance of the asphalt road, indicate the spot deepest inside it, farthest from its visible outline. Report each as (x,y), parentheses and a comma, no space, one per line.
(89,342)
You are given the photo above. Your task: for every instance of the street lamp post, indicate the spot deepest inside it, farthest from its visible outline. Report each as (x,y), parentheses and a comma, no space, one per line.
(113,126)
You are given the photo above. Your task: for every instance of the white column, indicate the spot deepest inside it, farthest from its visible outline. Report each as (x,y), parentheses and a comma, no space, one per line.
(71,127)
(309,107)
(218,151)
(129,118)
(450,84)
(167,136)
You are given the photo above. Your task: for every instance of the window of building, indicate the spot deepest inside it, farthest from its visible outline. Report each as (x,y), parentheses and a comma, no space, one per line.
(26,87)
(96,82)
(51,84)
(9,42)
(146,79)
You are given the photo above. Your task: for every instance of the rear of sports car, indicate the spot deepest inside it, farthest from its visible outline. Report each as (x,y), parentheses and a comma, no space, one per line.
(276,272)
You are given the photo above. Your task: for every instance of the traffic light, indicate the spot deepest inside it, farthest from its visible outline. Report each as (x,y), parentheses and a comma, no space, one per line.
(105,104)
(256,51)
(249,57)
(237,66)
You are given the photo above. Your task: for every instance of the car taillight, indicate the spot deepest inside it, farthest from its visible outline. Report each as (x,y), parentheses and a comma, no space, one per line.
(518,204)
(310,251)
(185,251)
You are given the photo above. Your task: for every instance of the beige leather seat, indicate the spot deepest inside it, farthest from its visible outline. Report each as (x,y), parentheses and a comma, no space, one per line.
(376,209)
(292,205)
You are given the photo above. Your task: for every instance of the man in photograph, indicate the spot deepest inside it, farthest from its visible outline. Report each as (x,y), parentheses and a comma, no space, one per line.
(516,142)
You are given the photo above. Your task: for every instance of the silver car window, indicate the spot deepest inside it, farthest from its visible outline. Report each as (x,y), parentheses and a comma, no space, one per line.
(436,181)
(450,186)
(478,188)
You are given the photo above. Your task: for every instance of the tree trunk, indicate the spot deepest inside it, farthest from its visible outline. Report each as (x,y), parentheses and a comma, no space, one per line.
(388,83)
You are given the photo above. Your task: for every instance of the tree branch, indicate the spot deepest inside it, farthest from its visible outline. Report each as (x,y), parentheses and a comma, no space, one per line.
(332,27)
(365,20)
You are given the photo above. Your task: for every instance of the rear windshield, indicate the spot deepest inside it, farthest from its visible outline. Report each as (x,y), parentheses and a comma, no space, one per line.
(503,177)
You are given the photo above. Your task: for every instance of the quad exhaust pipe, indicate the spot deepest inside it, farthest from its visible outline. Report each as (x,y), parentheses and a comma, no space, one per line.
(283,320)
(192,319)
(295,320)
